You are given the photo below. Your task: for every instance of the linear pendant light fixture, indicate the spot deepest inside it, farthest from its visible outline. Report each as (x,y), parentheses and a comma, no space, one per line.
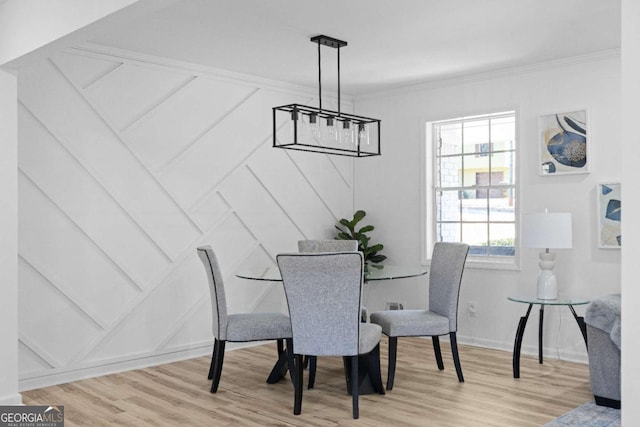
(318,130)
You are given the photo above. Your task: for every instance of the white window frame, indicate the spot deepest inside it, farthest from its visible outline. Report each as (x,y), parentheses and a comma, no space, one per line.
(428,223)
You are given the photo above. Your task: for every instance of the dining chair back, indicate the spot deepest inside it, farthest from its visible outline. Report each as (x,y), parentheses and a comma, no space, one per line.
(445,277)
(241,327)
(323,291)
(327,245)
(333,245)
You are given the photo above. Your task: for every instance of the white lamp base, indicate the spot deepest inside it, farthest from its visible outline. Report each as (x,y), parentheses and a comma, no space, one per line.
(547,283)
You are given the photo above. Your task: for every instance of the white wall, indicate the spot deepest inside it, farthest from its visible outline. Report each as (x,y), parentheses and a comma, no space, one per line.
(9,241)
(389,189)
(631,228)
(126,165)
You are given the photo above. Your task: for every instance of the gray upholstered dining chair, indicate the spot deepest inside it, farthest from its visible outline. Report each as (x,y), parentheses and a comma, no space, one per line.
(242,327)
(334,245)
(445,276)
(323,293)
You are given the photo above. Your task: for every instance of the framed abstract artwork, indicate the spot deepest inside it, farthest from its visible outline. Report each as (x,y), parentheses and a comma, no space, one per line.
(609,215)
(564,143)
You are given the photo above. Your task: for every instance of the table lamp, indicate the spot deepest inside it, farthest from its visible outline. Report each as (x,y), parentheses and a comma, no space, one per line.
(547,231)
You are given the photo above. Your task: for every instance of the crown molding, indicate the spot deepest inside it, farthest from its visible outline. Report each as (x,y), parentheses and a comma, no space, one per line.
(493,74)
(157,62)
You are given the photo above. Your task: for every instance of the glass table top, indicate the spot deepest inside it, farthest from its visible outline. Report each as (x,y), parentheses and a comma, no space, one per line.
(387,272)
(561,300)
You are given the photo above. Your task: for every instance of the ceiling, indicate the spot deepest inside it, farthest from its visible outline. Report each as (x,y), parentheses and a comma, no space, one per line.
(391,43)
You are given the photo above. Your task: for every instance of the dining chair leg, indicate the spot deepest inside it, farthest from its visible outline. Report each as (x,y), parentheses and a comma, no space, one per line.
(218,353)
(355,386)
(436,349)
(372,366)
(456,357)
(291,361)
(391,372)
(297,398)
(313,360)
(213,358)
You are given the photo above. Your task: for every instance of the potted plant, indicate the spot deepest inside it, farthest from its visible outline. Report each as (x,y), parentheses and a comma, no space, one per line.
(347,231)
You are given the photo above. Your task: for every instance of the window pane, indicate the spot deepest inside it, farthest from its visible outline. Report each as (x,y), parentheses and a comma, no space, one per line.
(502,238)
(448,232)
(449,169)
(475,133)
(472,166)
(503,131)
(451,139)
(502,209)
(475,209)
(475,234)
(503,163)
(448,206)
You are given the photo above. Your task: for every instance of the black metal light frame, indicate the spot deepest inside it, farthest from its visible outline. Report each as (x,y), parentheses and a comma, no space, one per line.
(296,111)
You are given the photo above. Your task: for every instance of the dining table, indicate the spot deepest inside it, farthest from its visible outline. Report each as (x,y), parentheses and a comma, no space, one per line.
(372,272)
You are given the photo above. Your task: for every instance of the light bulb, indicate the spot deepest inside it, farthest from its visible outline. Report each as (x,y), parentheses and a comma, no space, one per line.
(363,134)
(294,130)
(314,126)
(347,134)
(331,131)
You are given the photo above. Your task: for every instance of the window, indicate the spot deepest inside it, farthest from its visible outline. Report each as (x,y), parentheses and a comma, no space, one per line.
(472,191)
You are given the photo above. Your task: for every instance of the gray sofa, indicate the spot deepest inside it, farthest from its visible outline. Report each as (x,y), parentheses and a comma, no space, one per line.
(603,333)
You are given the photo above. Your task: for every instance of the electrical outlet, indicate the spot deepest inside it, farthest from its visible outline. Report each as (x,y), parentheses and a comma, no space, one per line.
(394,306)
(472,308)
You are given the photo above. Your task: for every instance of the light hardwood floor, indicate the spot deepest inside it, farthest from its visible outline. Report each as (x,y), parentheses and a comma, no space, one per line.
(177,394)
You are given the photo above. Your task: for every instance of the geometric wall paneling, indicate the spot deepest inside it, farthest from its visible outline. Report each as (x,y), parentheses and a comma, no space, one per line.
(153,318)
(163,133)
(125,166)
(124,103)
(84,70)
(29,363)
(259,211)
(56,173)
(49,332)
(210,211)
(59,251)
(298,198)
(333,187)
(72,120)
(207,163)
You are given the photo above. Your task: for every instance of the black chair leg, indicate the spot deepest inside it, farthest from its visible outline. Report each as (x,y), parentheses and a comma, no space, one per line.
(213,358)
(312,371)
(355,386)
(297,398)
(218,355)
(291,362)
(391,372)
(456,357)
(372,366)
(436,349)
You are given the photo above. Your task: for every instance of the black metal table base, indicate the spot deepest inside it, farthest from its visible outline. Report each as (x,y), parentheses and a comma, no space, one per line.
(520,332)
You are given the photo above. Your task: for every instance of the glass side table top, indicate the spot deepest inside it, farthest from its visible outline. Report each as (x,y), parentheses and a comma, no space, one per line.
(387,272)
(561,300)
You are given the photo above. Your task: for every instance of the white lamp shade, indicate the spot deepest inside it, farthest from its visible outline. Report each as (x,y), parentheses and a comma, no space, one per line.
(547,230)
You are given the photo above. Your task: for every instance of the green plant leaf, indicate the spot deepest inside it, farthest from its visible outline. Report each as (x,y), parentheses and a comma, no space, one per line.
(357,217)
(376,248)
(366,229)
(377,258)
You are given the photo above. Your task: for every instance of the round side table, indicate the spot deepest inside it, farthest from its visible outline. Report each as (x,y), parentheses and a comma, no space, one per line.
(527,299)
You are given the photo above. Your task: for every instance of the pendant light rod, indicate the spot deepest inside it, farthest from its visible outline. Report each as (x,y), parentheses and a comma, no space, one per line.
(323,40)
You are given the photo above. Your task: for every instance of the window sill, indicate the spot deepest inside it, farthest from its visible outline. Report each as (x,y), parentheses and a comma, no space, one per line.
(489,264)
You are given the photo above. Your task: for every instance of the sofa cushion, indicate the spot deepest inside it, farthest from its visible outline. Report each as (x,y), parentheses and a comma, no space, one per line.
(604,313)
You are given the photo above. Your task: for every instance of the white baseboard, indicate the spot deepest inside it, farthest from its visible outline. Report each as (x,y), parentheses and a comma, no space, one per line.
(61,376)
(11,400)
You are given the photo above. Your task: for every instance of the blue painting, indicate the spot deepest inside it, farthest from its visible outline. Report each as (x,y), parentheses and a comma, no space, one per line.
(609,215)
(564,143)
